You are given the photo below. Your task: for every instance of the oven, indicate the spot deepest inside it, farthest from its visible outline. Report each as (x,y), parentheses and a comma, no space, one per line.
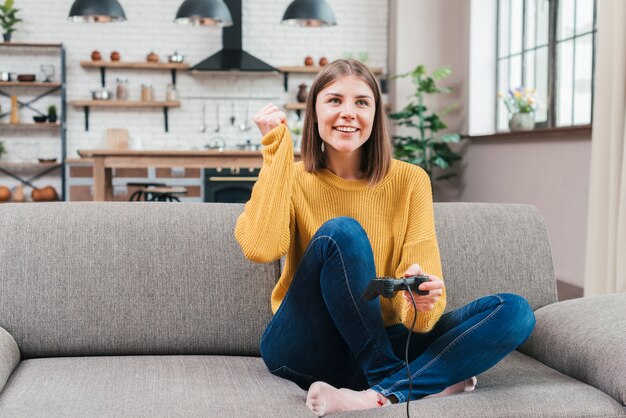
(229,185)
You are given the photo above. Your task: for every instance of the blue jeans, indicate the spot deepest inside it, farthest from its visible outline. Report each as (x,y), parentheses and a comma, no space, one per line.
(324,331)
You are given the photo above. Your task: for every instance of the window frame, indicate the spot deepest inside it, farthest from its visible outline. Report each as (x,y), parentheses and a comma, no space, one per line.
(552,45)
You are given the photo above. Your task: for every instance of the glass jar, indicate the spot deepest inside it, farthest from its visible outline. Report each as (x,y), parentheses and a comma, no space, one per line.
(121,92)
(170,93)
(147,93)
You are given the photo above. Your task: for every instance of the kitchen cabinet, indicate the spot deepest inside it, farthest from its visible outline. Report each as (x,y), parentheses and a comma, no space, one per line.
(86,105)
(26,173)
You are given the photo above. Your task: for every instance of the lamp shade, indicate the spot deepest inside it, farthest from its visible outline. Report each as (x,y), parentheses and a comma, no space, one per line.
(204,12)
(309,13)
(96,11)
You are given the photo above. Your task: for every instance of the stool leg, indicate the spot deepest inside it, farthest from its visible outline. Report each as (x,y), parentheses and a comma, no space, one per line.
(136,196)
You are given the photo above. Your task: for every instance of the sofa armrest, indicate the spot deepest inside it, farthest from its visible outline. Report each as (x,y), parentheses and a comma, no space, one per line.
(9,356)
(585,339)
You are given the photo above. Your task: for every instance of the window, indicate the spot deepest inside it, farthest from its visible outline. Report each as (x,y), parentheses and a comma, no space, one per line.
(547,45)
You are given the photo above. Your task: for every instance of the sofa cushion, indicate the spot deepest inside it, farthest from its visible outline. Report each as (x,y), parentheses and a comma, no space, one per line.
(491,248)
(217,386)
(120,278)
(584,338)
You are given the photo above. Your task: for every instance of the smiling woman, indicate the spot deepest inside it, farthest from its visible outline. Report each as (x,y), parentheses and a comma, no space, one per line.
(344,216)
(345,114)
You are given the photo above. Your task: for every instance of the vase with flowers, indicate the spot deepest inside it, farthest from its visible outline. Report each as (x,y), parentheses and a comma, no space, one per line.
(521,104)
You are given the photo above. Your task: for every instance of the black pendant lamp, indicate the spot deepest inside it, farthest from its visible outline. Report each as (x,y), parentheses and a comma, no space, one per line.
(96,11)
(204,12)
(309,13)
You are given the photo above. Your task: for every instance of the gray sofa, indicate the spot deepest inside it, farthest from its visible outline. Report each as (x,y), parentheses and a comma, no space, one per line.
(150,310)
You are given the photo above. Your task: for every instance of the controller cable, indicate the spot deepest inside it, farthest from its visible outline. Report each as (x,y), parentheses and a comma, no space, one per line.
(406,352)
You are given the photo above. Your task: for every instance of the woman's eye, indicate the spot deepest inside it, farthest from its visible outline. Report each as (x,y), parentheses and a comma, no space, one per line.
(334,100)
(362,103)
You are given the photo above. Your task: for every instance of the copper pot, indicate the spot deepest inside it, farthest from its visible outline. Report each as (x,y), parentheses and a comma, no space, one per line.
(46,194)
(5,193)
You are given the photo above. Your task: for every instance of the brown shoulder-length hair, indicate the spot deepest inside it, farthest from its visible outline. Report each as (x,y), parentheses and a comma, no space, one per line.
(376,151)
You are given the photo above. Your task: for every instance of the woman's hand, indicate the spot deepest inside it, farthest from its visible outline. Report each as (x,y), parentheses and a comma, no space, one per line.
(435,286)
(269,117)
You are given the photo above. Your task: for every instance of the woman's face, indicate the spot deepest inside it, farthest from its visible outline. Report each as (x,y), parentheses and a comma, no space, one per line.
(345,114)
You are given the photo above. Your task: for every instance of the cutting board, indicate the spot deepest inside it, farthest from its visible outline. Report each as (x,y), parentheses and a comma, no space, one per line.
(116,138)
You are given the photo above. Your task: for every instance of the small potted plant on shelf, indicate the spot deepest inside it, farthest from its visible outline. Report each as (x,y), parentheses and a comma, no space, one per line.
(52,114)
(2,149)
(521,104)
(8,19)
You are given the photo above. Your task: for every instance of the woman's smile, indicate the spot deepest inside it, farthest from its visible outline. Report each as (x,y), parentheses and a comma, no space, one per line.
(345,113)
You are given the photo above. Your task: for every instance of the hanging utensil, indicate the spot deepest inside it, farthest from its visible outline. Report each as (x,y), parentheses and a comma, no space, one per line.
(232,111)
(245,125)
(217,118)
(203,126)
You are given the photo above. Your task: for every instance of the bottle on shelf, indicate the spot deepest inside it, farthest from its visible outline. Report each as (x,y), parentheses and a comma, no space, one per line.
(170,93)
(121,91)
(146,93)
(15,115)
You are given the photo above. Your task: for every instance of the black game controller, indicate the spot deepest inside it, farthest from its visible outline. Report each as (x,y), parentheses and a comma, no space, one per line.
(388,286)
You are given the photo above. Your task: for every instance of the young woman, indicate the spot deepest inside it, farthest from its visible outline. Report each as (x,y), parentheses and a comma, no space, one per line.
(344,215)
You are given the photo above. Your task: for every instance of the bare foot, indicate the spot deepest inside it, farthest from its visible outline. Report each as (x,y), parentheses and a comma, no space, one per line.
(466,385)
(323,398)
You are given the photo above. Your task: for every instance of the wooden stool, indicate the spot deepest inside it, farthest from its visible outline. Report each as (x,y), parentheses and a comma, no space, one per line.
(165,194)
(142,193)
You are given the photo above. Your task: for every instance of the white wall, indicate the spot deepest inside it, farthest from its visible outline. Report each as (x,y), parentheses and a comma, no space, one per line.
(434,34)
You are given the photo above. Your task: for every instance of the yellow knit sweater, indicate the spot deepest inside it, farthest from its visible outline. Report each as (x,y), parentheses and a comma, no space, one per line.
(288,205)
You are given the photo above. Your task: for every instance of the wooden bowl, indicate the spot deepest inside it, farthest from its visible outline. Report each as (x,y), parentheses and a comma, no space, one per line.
(26,77)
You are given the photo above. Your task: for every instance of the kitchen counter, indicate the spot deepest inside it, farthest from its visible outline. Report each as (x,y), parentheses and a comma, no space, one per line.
(104,160)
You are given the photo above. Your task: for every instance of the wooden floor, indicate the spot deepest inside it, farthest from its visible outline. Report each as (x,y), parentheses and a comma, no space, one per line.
(567,291)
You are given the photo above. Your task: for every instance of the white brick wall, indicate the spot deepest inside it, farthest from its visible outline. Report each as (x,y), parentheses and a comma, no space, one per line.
(362,27)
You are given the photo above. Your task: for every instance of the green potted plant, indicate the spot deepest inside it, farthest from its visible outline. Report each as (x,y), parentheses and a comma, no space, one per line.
(2,149)
(8,19)
(52,113)
(427,148)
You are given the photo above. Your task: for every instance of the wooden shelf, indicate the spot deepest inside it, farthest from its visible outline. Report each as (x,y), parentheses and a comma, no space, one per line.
(30,45)
(124,104)
(28,84)
(135,65)
(119,104)
(31,125)
(29,166)
(295,106)
(312,69)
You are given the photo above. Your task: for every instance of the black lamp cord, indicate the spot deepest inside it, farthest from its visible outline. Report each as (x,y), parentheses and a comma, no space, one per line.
(406,352)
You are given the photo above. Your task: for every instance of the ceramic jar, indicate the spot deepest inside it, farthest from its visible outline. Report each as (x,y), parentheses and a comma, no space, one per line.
(522,122)
(302,93)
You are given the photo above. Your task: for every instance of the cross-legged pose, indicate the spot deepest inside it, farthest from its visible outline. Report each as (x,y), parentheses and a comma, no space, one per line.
(344,215)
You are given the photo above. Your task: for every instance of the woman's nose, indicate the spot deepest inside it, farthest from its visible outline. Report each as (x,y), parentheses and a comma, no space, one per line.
(347,111)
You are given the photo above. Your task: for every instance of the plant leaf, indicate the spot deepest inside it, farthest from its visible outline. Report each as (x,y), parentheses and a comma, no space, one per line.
(446,176)
(450,138)
(442,72)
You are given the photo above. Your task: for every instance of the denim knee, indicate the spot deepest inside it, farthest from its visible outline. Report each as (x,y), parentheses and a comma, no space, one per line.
(341,226)
(520,316)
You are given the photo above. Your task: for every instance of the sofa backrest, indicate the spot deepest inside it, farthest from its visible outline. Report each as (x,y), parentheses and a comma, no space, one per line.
(146,278)
(491,248)
(129,278)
